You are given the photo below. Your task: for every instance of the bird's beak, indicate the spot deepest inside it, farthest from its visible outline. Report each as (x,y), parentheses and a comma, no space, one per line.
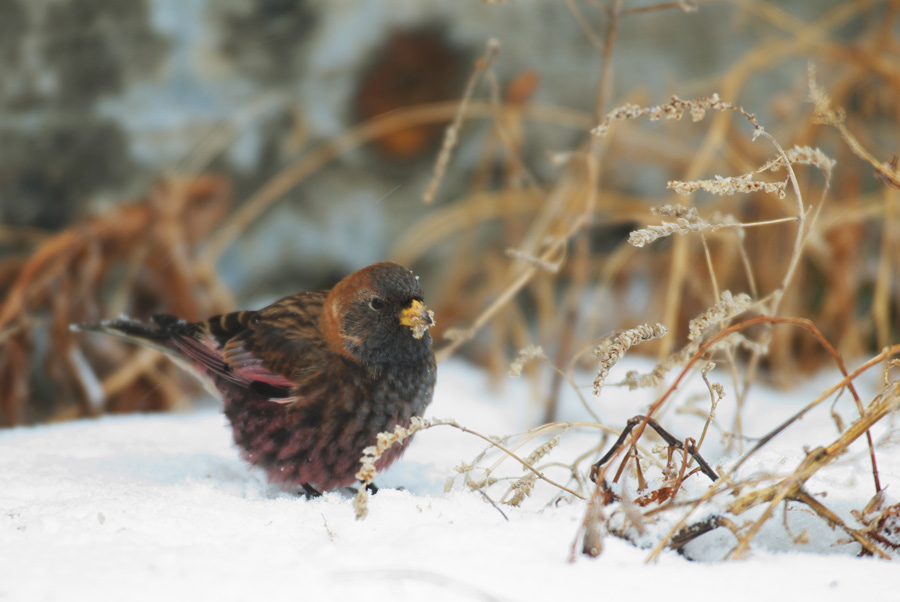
(418,318)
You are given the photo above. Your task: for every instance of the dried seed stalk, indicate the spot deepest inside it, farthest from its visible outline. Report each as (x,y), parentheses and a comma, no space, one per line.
(613,349)
(371,455)
(728,307)
(527,354)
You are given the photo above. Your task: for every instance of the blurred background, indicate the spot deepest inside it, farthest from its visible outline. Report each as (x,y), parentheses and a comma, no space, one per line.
(198,156)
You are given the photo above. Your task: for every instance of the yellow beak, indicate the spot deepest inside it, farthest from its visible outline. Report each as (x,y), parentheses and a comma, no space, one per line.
(418,318)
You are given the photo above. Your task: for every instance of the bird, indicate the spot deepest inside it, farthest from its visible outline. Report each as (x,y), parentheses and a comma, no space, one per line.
(308,382)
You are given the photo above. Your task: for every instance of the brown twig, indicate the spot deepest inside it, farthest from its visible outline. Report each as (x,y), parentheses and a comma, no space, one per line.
(792,486)
(801,322)
(724,481)
(670,440)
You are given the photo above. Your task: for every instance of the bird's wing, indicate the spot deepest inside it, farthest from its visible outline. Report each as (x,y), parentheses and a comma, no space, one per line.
(218,346)
(268,350)
(283,339)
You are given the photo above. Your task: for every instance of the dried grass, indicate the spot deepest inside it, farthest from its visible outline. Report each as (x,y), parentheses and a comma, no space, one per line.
(758,268)
(720,247)
(134,259)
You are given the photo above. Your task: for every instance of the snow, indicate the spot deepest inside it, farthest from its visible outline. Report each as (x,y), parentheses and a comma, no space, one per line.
(151,507)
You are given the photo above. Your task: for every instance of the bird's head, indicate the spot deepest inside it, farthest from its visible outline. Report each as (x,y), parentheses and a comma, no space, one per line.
(377,316)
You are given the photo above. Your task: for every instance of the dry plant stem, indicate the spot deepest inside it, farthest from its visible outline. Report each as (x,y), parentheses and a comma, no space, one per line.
(799,240)
(599,495)
(667,437)
(714,139)
(507,141)
(566,340)
(511,291)
(586,29)
(452,133)
(505,450)
(797,539)
(328,151)
(835,118)
(581,271)
(458,219)
(594,529)
(139,363)
(631,454)
(494,504)
(65,275)
(709,266)
(741,390)
(801,218)
(819,457)
(815,34)
(881,296)
(554,209)
(545,429)
(715,489)
(11,329)
(835,520)
(713,400)
(770,222)
(556,428)
(691,448)
(809,326)
(118,300)
(604,87)
(776,297)
(580,274)
(692,532)
(570,377)
(701,352)
(45,259)
(674,291)
(675,109)
(568,313)
(846,381)
(680,5)
(804,35)
(581,263)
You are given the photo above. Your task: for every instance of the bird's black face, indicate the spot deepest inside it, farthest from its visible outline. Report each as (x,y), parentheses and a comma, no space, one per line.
(386,321)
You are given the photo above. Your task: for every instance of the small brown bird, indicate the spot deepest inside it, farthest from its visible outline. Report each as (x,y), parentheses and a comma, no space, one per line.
(309,381)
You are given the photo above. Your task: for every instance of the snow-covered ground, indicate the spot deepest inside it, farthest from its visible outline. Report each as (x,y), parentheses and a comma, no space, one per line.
(160,507)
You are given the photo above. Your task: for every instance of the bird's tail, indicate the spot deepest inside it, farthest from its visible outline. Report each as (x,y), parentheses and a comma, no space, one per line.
(168,334)
(158,335)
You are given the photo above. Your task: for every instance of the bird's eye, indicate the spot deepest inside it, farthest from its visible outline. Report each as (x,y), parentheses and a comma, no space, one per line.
(376,304)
